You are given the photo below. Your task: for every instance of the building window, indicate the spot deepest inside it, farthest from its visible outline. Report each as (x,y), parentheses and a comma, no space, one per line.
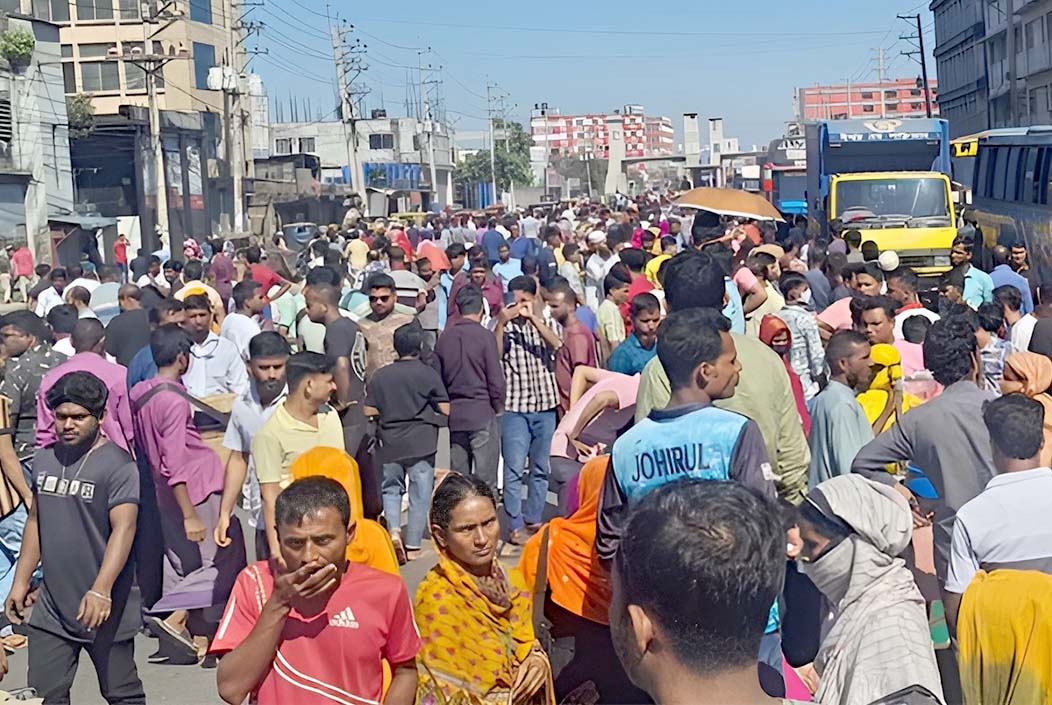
(891,95)
(381,141)
(915,91)
(307,145)
(201,11)
(94,10)
(69,76)
(867,108)
(51,10)
(128,9)
(204,59)
(867,95)
(98,76)
(283,146)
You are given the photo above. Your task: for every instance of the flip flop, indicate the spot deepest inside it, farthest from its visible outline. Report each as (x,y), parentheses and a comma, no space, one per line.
(176,645)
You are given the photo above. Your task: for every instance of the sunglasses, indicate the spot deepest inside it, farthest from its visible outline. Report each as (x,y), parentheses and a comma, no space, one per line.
(380,299)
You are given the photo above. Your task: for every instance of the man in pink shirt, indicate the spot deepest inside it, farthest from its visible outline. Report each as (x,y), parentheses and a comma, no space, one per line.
(317,633)
(89,340)
(189,481)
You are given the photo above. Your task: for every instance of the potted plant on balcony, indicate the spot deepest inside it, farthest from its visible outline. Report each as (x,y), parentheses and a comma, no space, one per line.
(16,45)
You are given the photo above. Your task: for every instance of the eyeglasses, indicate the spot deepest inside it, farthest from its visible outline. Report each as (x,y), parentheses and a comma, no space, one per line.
(380,299)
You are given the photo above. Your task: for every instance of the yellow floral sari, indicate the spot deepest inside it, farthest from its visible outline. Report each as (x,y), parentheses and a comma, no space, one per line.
(474,638)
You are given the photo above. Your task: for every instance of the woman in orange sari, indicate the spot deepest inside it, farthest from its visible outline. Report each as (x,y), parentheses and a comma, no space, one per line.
(474,616)
(576,594)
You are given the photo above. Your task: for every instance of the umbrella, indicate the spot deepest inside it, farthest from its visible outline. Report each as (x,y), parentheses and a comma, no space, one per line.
(728,201)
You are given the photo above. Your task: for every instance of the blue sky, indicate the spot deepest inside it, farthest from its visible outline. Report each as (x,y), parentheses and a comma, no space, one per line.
(739,60)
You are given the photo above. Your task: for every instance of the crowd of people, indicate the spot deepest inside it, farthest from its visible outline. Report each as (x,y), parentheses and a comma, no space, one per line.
(781,466)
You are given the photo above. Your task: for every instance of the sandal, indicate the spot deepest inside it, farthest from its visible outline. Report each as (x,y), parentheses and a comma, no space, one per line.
(399,549)
(177,646)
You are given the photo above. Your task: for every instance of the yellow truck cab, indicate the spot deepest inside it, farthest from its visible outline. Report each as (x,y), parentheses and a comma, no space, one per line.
(910,212)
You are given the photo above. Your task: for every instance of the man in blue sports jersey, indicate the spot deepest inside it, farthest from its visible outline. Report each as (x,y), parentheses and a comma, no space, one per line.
(689,438)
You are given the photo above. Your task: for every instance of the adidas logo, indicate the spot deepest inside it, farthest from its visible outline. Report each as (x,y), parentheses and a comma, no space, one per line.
(344,619)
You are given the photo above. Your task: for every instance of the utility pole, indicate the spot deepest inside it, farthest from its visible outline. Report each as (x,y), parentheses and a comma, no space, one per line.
(924,59)
(235,117)
(1013,97)
(492,143)
(880,80)
(848,97)
(349,60)
(151,63)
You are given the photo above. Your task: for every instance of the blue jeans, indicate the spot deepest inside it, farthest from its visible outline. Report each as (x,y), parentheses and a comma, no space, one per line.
(523,434)
(11,529)
(421,478)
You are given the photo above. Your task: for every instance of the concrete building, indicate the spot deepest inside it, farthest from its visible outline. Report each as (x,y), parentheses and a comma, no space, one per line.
(36,177)
(898,98)
(259,116)
(1027,34)
(961,64)
(394,153)
(561,135)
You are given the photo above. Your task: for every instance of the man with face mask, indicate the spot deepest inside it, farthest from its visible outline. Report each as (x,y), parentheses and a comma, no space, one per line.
(267,355)
(851,531)
(81,528)
(805,355)
(839,427)
(189,481)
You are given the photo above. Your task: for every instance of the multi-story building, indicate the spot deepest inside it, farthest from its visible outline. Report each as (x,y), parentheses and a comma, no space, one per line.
(1027,33)
(36,177)
(113,165)
(394,153)
(899,98)
(961,64)
(561,135)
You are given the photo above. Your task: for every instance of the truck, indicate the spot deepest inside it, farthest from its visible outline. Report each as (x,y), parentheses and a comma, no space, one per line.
(888,179)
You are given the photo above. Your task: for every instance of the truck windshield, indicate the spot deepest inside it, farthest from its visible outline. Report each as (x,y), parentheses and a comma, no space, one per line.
(912,198)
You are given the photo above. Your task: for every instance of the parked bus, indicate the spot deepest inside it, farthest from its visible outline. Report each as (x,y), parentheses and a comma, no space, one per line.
(1012,193)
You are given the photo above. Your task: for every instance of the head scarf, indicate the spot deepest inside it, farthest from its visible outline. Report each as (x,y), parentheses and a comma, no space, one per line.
(770,327)
(1036,373)
(80,388)
(577,581)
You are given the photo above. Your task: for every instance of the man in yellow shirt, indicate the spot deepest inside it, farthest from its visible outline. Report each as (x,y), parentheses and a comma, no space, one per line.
(304,421)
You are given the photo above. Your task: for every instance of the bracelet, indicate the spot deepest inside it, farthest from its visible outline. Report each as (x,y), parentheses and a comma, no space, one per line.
(99,595)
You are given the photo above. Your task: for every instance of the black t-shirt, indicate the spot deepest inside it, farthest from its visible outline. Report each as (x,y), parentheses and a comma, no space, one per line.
(407,392)
(127,334)
(344,339)
(73,510)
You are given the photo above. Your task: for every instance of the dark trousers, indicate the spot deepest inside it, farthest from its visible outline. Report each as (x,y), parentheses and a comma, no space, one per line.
(358,440)
(477,452)
(53,665)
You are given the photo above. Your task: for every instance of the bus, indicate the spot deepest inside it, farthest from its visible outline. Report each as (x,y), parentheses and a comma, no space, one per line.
(1012,193)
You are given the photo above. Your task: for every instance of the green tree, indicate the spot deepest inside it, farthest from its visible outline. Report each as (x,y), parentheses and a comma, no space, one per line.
(511,160)
(573,167)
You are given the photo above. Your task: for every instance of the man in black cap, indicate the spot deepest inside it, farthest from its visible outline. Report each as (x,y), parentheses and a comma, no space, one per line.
(81,527)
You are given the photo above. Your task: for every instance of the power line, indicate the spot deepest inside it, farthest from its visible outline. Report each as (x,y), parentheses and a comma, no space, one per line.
(566,30)
(298,73)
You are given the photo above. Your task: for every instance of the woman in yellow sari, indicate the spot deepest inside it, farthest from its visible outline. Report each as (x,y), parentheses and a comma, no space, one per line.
(475,616)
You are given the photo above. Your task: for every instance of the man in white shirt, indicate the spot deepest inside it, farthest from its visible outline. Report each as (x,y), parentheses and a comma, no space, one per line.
(902,287)
(241,326)
(78,278)
(154,277)
(216,366)
(1020,327)
(268,353)
(52,296)
(1006,526)
(597,267)
(531,226)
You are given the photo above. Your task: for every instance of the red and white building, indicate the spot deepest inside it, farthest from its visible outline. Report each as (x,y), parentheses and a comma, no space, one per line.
(579,135)
(900,98)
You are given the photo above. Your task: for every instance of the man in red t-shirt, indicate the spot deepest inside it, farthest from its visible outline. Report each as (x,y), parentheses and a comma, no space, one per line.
(578,348)
(316,634)
(636,260)
(263,275)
